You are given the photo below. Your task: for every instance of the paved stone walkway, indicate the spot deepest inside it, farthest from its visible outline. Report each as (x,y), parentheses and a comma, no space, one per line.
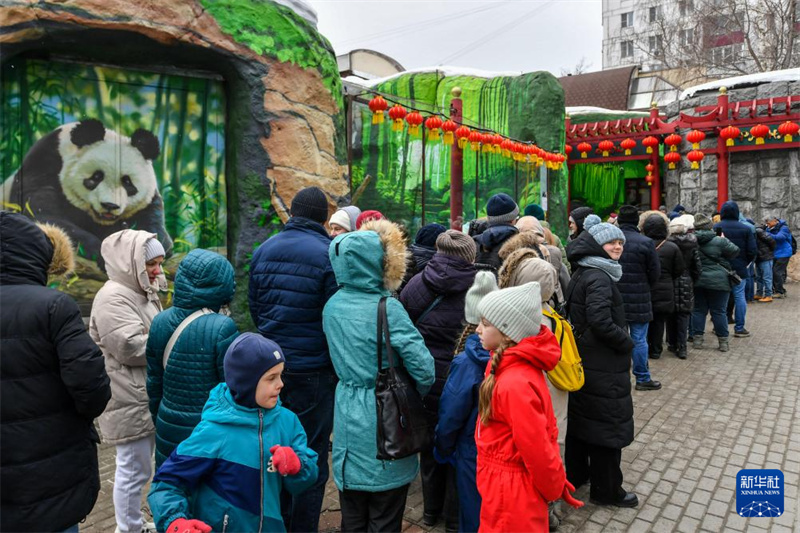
(717,413)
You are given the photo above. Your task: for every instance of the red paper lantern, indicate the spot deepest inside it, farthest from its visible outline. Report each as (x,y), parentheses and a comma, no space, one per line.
(378,105)
(584,148)
(650,142)
(759,131)
(649,179)
(561,159)
(432,124)
(695,137)
(695,156)
(497,143)
(673,141)
(729,134)
(605,147)
(475,140)
(462,134)
(649,168)
(672,158)
(397,113)
(568,149)
(449,127)
(628,145)
(506,147)
(486,141)
(414,120)
(788,129)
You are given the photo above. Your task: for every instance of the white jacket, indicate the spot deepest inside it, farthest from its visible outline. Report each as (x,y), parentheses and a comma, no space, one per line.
(120,323)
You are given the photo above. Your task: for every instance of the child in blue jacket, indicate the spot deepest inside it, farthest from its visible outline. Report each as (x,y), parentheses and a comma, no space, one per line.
(228,475)
(458,407)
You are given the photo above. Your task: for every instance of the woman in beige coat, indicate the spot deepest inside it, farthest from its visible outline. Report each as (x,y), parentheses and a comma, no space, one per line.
(120,322)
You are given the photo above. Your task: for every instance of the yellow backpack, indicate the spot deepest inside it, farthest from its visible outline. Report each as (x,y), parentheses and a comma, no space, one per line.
(568,374)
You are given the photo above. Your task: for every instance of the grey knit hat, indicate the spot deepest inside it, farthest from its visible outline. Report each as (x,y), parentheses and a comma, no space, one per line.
(457,244)
(702,222)
(516,312)
(484,283)
(603,232)
(152,249)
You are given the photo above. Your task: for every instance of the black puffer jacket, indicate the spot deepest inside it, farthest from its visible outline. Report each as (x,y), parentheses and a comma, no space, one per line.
(672,264)
(449,277)
(684,285)
(54,385)
(766,245)
(601,412)
(641,269)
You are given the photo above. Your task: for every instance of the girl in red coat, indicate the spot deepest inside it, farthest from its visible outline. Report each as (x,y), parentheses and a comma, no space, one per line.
(519,466)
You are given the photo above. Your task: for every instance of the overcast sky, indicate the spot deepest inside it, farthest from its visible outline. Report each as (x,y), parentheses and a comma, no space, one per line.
(524,35)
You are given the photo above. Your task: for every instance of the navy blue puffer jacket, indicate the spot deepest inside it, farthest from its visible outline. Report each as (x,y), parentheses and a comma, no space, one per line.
(291,280)
(739,234)
(450,277)
(641,269)
(178,394)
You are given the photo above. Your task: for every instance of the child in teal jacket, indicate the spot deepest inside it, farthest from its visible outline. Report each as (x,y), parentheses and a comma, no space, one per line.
(228,475)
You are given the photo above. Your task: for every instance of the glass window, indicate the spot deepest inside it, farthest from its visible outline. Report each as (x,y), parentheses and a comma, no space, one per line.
(685,7)
(627,19)
(687,37)
(626,49)
(655,44)
(653,14)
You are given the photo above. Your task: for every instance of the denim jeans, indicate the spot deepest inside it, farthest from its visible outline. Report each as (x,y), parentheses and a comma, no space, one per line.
(764,278)
(641,368)
(716,302)
(749,290)
(740,305)
(309,395)
(779,274)
(73,529)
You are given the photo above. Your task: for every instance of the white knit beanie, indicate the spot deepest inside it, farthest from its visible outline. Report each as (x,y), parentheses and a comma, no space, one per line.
(341,218)
(516,311)
(484,283)
(152,249)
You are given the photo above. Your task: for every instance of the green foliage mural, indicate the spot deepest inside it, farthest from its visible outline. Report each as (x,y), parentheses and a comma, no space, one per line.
(529,107)
(186,115)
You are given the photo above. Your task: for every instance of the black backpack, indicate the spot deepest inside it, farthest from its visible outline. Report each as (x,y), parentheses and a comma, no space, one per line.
(794,245)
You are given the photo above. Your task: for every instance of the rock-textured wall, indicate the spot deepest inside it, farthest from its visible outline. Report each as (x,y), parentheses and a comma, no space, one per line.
(285,116)
(763,183)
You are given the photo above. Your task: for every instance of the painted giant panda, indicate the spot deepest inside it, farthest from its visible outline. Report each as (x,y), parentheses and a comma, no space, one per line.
(92,182)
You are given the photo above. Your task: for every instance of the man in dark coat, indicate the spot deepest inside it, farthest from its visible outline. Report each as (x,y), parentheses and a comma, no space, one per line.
(291,279)
(601,412)
(501,212)
(744,237)
(641,269)
(54,385)
(663,293)
(434,299)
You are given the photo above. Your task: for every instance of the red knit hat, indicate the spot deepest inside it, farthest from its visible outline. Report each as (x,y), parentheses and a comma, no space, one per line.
(366,216)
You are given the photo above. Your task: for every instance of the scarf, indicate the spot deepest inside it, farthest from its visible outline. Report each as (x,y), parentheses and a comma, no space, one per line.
(609,266)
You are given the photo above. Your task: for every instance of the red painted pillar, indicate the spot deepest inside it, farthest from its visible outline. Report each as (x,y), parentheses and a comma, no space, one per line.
(456,167)
(722,152)
(655,188)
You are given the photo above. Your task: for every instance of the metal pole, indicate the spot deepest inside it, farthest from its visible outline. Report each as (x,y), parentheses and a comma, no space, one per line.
(456,167)
(423,177)
(655,189)
(723,156)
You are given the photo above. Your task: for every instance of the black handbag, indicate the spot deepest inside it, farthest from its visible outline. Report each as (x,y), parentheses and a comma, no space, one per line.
(734,278)
(404,427)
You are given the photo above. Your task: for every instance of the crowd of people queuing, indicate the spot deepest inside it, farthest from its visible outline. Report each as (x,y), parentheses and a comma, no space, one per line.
(241,424)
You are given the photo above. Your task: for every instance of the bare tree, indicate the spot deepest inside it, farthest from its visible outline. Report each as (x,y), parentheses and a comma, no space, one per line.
(581,67)
(704,39)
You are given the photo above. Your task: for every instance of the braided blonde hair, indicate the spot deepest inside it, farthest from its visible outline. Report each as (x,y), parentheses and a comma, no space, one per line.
(469,329)
(487,387)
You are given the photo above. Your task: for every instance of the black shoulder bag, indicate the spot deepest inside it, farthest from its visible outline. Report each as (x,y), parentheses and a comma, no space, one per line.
(734,278)
(403,424)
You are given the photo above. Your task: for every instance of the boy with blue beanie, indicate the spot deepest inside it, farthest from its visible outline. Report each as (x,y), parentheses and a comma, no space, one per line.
(228,475)
(501,212)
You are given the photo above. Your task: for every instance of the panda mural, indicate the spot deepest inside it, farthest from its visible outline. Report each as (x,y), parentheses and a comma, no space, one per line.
(92,182)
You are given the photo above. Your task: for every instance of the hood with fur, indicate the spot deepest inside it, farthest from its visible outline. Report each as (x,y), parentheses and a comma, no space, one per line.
(524,239)
(647,214)
(372,259)
(32,251)
(524,266)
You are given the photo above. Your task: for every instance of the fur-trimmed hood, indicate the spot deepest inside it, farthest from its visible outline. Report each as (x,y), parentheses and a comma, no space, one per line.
(645,215)
(32,251)
(524,239)
(523,266)
(372,259)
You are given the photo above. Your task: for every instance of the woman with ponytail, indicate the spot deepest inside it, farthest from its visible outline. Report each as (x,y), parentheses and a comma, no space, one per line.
(519,465)
(458,406)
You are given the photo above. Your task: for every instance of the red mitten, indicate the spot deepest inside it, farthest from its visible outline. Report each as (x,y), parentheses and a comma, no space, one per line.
(285,460)
(184,525)
(567,496)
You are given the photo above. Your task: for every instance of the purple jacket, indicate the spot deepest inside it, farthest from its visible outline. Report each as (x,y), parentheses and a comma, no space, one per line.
(450,277)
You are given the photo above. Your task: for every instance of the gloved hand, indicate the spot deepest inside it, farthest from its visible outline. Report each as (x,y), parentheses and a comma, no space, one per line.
(184,525)
(567,496)
(443,459)
(284,460)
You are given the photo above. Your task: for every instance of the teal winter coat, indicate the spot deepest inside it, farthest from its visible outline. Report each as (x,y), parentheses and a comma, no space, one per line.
(715,255)
(368,264)
(219,475)
(177,395)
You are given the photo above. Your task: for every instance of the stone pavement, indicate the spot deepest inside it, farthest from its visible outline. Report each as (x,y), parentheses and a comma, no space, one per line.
(717,413)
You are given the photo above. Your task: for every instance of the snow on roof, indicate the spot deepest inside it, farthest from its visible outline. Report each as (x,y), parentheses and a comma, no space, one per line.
(590,110)
(302,8)
(447,72)
(792,74)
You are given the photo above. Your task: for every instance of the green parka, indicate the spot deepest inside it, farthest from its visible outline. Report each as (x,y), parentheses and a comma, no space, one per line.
(714,254)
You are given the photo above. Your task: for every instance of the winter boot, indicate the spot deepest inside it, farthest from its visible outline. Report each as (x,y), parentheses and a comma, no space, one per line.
(723,344)
(681,353)
(697,342)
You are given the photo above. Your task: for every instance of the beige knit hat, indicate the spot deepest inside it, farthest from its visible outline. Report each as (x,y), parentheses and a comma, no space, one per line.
(516,312)
(457,244)
(484,283)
